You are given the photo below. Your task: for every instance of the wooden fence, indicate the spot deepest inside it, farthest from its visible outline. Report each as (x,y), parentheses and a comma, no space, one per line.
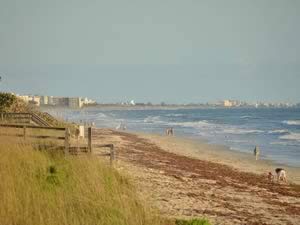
(24,118)
(66,137)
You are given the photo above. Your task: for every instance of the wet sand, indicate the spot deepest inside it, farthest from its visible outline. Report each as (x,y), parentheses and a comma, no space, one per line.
(188,178)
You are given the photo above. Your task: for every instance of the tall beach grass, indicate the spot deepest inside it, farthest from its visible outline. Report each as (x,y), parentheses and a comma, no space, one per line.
(39,188)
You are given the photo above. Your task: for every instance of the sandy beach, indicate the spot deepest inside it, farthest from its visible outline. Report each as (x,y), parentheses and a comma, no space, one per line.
(200,149)
(189,178)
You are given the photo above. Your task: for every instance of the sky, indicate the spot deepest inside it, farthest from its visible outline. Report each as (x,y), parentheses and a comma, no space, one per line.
(174,51)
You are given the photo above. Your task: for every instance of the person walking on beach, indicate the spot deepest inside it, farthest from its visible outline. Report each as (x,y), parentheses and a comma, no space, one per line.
(256,152)
(170,131)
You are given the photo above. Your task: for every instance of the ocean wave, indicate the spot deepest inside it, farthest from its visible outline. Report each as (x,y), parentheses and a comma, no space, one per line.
(197,124)
(153,119)
(216,128)
(239,141)
(175,115)
(278,132)
(284,143)
(292,122)
(100,115)
(237,149)
(246,117)
(241,131)
(291,136)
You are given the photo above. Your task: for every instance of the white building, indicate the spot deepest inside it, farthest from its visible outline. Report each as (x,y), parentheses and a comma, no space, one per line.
(132,102)
(227,103)
(75,103)
(25,98)
(50,100)
(36,100)
(44,100)
(87,101)
(30,99)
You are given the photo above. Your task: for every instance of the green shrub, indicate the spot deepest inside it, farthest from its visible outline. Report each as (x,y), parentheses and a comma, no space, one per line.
(6,101)
(193,222)
(10,103)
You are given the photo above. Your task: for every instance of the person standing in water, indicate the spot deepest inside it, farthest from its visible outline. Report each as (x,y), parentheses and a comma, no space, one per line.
(256,152)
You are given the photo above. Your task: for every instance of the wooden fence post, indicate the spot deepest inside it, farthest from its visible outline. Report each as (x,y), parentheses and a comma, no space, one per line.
(67,140)
(112,154)
(90,139)
(24,132)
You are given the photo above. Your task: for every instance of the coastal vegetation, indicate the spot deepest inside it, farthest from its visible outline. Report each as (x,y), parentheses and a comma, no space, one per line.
(39,187)
(193,222)
(10,103)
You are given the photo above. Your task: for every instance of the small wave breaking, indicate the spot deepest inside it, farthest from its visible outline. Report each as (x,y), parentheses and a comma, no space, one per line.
(291,136)
(292,122)
(175,115)
(241,131)
(278,132)
(196,124)
(153,119)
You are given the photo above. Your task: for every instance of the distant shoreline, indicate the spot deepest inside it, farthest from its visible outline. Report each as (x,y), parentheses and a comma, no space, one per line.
(153,107)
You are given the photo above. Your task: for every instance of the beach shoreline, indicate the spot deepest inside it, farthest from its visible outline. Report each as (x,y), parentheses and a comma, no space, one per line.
(202,149)
(240,129)
(184,178)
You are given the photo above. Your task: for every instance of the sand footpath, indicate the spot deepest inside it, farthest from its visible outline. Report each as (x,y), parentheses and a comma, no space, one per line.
(188,178)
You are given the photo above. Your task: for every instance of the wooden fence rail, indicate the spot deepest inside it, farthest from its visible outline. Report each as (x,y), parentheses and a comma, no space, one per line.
(24,117)
(31,126)
(26,135)
(66,137)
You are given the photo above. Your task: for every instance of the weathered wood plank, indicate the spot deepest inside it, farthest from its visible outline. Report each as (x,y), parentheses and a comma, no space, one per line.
(24,132)
(34,136)
(103,146)
(90,139)
(67,140)
(112,155)
(32,127)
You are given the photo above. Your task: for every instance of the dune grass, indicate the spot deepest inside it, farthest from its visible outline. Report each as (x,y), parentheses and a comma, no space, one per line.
(39,188)
(192,222)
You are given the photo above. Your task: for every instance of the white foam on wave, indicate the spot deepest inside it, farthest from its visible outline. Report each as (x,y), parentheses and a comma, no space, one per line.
(100,115)
(291,136)
(246,117)
(196,124)
(239,141)
(153,119)
(292,122)
(278,132)
(241,131)
(216,128)
(174,115)
(284,143)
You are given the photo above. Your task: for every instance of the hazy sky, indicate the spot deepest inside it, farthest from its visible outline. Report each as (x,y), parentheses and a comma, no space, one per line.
(158,50)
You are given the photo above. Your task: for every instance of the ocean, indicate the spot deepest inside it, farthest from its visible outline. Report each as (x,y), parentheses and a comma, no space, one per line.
(275,131)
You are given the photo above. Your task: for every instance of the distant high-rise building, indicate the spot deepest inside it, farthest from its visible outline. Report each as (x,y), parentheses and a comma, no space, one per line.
(36,100)
(44,100)
(227,103)
(60,101)
(50,100)
(25,98)
(75,102)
